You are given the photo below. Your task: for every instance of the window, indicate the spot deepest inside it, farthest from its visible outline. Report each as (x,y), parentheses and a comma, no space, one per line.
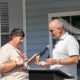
(4,24)
(71,21)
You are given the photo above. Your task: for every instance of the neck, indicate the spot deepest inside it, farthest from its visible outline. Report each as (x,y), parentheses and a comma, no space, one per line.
(62,33)
(13,44)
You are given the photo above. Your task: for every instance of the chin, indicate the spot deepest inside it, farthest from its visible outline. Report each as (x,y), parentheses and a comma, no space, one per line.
(18,46)
(56,37)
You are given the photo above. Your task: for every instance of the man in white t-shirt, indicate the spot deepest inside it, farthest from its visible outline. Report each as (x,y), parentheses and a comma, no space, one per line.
(66,51)
(12,59)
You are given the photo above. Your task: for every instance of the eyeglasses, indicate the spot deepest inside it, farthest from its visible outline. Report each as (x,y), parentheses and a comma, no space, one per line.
(51,30)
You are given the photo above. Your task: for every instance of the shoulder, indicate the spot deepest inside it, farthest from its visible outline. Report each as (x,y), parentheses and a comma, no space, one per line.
(71,38)
(4,46)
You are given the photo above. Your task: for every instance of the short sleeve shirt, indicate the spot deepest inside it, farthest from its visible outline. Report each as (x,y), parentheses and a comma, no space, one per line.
(9,53)
(67,46)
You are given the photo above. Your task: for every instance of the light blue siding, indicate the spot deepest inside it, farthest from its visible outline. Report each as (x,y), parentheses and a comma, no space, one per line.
(37,20)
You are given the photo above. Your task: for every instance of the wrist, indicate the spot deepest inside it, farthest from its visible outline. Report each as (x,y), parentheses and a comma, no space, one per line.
(58,61)
(16,63)
(20,63)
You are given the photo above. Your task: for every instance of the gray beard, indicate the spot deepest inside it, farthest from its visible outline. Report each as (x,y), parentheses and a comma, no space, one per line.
(56,38)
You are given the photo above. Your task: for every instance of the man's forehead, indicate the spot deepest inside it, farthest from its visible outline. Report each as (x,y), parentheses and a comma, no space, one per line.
(56,23)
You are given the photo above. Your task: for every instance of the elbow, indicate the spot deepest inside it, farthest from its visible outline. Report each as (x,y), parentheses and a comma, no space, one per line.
(76,61)
(1,70)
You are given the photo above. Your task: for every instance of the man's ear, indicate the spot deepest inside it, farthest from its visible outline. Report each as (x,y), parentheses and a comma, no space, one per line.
(13,37)
(60,30)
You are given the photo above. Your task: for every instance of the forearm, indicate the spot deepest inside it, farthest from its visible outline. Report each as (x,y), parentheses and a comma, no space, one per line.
(6,67)
(66,61)
(71,60)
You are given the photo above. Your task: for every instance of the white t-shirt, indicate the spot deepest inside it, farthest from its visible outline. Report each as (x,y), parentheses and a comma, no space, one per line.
(7,54)
(66,47)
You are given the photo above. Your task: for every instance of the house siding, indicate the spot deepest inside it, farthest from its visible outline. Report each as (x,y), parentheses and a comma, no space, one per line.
(37,20)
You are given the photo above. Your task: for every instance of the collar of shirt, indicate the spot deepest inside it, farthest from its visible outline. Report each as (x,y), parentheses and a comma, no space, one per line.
(64,36)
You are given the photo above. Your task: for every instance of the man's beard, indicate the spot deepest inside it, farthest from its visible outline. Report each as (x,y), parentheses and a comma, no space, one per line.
(57,37)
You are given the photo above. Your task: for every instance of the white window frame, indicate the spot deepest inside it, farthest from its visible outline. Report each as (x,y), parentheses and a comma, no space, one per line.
(59,14)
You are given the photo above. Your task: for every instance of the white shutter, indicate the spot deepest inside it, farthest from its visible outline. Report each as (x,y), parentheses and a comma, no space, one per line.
(4,23)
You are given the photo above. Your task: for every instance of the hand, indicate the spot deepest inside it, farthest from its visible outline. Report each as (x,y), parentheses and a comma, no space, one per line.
(51,61)
(20,62)
(37,59)
(42,63)
(25,64)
